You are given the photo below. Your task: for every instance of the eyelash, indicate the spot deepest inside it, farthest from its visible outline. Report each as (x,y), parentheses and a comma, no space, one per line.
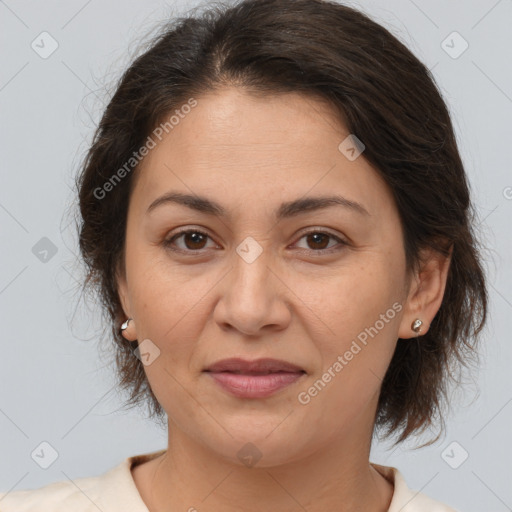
(168,243)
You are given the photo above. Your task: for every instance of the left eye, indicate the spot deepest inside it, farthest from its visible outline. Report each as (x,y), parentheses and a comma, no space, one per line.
(319,239)
(194,240)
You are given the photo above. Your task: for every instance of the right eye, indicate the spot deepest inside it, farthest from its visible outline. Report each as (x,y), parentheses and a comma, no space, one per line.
(193,240)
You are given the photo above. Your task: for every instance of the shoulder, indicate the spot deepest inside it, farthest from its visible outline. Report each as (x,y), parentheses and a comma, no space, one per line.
(112,491)
(408,500)
(57,497)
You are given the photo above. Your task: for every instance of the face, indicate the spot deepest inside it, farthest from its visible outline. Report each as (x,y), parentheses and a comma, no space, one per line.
(321,287)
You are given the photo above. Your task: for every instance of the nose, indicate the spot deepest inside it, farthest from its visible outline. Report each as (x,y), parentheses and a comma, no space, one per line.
(254,297)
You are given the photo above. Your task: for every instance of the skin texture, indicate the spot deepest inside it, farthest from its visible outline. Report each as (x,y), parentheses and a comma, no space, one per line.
(294,302)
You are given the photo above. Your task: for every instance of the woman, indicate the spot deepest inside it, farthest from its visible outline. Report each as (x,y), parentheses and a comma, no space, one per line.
(278,222)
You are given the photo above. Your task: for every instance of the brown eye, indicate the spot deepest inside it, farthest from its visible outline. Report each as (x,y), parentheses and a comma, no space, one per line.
(318,241)
(193,240)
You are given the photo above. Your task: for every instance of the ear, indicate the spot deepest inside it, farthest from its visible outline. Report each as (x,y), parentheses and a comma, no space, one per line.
(426,291)
(122,289)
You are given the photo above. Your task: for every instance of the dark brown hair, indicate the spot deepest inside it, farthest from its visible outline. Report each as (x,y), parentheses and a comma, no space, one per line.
(380,91)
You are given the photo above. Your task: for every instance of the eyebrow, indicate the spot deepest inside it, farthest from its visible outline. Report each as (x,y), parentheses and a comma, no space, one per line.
(285,210)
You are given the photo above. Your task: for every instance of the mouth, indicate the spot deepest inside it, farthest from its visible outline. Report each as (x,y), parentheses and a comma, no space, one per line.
(254,379)
(256,367)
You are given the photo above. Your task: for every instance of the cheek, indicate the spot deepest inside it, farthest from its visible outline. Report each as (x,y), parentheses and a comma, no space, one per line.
(360,313)
(172,310)
(354,361)
(165,292)
(352,298)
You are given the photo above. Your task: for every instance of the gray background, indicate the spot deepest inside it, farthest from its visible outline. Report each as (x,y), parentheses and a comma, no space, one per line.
(57,385)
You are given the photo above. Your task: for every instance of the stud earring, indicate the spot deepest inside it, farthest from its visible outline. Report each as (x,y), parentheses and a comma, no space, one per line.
(125,324)
(416,326)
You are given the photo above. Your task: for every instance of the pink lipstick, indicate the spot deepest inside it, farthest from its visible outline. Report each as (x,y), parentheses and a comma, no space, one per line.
(254,379)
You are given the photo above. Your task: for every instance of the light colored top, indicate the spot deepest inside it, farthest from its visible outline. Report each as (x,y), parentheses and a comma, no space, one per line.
(115,491)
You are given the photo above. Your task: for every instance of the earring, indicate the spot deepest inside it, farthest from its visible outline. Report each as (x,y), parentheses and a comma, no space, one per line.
(416,326)
(125,324)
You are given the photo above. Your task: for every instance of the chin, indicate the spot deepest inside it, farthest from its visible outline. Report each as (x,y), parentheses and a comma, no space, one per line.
(258,444)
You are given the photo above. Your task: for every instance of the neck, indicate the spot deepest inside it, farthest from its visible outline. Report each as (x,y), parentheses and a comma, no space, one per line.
(338,476)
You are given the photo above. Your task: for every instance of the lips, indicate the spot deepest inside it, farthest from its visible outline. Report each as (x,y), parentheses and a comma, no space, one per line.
(254,379)
(256,367)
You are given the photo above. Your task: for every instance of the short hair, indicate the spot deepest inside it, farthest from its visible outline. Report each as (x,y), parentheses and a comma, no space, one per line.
(384,96)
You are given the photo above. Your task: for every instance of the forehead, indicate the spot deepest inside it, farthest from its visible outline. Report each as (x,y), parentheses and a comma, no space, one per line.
(235,145)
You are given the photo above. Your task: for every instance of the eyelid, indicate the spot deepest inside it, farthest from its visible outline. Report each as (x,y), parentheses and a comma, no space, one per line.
(170,240)
(323,231)
(341,241)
